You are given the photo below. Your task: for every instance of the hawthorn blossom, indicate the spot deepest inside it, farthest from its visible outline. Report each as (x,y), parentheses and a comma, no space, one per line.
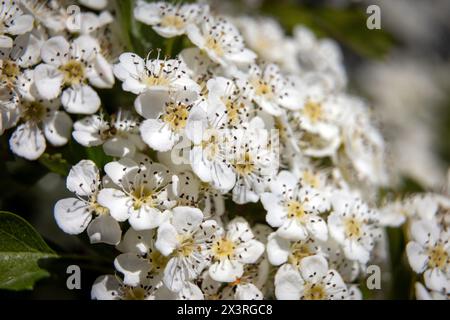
(221,40)
(313,281)
(429,253)
(74,215)
(71,68)
(233,250)
(187,240)
(169,20)
(13,21)
(295,210)
(119,136)
(139,193)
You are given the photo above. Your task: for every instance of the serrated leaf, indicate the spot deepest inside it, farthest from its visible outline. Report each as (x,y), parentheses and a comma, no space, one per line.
(21,247)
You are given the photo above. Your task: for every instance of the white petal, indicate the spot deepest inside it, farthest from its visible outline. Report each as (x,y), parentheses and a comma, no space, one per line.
(288,283)
(116,201)
(83,178)
(28,141)
(117,170)
(81,100)
(72,215)
(226,270)
(55,51)
(158,135)
(248,291)
(292,230)
(146,218)
(105,288)
(133,267)
(104,229)
(277,249)
(250,251)
(57,128)
(48,81)
(437,280)
(417,257)
(186,219)
(317,227)
(313,268)
(167,239)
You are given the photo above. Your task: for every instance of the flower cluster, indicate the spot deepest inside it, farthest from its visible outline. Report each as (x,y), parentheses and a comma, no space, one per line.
(244,170)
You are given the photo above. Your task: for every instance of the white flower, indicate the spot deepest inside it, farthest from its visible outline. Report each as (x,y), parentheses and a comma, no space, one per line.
(169,20)
(13,21)
(74,215)
(140,194)
(249,286)
(253,157)
(354,226)
(221,40)
(233,250)
(294,209)
(140,76)
(24,53)
(187,240)
(281,250)
(226,99)
(41,121)
(210,151)
(167,116)
(313,281)
(109,287)
(190,191)
(266,37)
(88,22)
(94,4)
(140,260)
(269,89)
(119,137)
(199,67)
(429,253)
(74,66)
(9,112)
(423,294)
(49,14)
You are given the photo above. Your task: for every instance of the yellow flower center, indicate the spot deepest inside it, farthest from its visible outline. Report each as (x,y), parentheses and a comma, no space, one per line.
(299,250)
(315,291)
(74,72)
(353,228)
(245,165)
(176,116)
(234,110)
(263,89)
(174,21)
(313,111)
(187,246)
(133,293)
(10,71)
(142,196)
(157,260)
(438,257)
(295,210)
(33,111)
(223,249)
(214,45)
(311,179)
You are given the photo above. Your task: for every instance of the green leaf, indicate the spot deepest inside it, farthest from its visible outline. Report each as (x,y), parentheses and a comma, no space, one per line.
(55,163)
(97,155)
(21,247)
